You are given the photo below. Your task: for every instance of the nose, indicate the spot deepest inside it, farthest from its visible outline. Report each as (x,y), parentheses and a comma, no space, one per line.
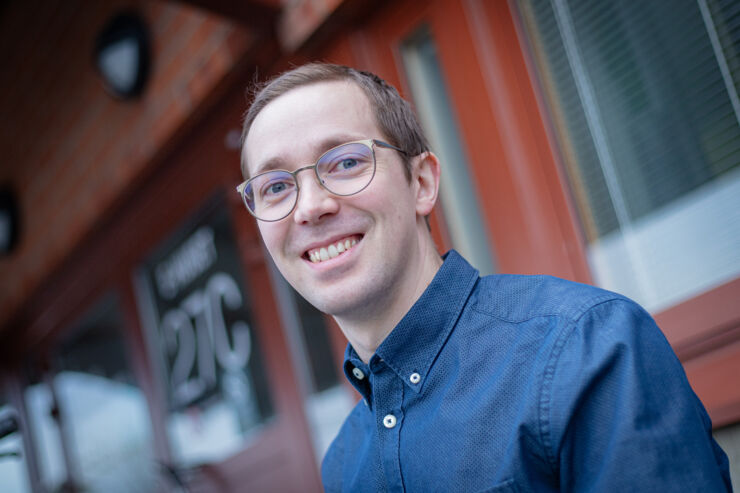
(314,201)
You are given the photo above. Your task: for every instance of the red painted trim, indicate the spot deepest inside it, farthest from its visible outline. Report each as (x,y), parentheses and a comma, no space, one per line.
(714,378)
(711,316)
(705,332)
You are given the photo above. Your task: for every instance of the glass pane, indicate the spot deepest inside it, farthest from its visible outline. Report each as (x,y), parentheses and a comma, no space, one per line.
(643,97)
(197,314)
(44,421)
(460,207)
(102,407)
(13,473)
(725,17)
(587,180)
(317,345)
(641,80)
(327,402)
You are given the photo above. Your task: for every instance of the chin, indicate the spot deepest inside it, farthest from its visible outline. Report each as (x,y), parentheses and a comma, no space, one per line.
(336,300)
(330,304)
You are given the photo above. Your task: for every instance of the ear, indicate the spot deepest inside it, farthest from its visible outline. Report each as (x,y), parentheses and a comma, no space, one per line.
(425,176)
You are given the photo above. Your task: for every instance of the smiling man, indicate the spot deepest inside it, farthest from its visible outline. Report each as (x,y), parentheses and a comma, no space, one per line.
(502,383)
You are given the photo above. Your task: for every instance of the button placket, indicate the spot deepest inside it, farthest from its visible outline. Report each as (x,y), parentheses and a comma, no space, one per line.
(388,403)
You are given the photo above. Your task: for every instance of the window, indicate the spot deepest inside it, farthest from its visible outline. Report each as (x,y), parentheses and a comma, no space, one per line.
(90,421)
(644,102)
(13,473)
(45,424)
(460,207)
(326,402)
(98,397)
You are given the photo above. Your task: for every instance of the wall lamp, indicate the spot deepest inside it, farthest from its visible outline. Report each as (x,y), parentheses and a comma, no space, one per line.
(122,55)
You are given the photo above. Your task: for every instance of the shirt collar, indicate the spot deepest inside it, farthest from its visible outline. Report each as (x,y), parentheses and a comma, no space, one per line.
(413,345)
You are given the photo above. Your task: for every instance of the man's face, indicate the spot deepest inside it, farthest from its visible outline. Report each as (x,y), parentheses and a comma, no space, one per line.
(377,228)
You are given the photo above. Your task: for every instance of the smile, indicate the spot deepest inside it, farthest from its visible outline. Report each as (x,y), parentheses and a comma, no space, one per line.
(332,250)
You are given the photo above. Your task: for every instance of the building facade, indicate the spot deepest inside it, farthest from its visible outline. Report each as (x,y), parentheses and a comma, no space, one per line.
(147,343)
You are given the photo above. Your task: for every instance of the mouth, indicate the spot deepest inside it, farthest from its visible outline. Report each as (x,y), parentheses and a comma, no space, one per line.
(332,250)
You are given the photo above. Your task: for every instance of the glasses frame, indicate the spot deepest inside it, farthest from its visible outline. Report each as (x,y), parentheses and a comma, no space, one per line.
(370,143)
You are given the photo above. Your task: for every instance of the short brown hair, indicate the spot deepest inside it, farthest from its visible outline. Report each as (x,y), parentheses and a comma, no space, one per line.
(393,114)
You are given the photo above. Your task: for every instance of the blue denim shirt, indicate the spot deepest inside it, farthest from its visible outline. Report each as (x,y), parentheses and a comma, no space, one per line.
(523,383)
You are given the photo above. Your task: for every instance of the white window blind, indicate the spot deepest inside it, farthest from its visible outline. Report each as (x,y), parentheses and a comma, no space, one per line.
(644,101)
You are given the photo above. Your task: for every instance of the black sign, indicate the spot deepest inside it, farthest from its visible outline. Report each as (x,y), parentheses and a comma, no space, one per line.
(201,322)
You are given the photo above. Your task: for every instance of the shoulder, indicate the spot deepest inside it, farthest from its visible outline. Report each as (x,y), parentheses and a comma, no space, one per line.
(573,323)
(518,298)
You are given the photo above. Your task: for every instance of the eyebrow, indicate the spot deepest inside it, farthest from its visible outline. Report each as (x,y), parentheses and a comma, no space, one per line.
(278,162)
(269,165)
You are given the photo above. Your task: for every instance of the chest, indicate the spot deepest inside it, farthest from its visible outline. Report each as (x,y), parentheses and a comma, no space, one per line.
(472,427)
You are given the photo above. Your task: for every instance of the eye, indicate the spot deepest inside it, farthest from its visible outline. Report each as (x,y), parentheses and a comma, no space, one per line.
(346,163)
(276,187)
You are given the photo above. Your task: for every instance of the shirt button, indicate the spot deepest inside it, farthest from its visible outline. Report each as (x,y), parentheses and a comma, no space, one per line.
(358,373)
(415,378)
(389,421)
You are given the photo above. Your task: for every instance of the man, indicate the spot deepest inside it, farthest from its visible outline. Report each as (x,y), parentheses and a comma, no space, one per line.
(502,383)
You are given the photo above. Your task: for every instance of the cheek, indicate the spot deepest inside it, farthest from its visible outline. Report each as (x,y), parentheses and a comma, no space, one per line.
(273,236)
(390,194)
(399,207)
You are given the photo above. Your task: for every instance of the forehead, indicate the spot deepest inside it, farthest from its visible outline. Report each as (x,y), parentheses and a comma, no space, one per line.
(298,125)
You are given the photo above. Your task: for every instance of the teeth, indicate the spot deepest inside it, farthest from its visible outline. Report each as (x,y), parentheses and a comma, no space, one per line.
(331,251)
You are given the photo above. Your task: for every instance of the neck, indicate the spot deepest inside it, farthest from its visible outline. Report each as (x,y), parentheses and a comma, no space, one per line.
(366,329)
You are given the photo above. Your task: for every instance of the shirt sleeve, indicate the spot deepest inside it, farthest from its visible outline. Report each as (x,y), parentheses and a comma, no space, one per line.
(618,413)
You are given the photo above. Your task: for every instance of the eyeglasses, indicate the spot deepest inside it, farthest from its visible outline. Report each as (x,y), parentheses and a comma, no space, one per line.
(343,170)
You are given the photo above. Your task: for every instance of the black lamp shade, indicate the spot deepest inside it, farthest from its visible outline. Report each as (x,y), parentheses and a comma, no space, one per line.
(122,55)
(9,221)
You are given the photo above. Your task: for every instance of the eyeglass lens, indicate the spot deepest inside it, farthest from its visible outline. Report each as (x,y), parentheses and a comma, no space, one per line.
(344,170)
